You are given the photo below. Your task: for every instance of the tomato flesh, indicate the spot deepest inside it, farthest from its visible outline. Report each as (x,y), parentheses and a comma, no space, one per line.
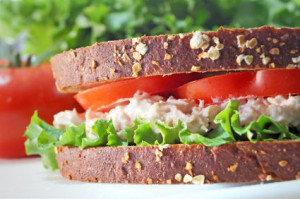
(262,83)
(105,94)
(22,91)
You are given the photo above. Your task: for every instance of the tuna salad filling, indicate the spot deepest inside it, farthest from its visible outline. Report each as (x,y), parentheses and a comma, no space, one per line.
(197,117)
(145,120)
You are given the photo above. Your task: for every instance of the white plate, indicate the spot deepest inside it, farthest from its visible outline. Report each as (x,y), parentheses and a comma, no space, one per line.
(27,178)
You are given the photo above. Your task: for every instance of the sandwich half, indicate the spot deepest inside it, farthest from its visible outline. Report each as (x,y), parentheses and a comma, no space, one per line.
(201,107)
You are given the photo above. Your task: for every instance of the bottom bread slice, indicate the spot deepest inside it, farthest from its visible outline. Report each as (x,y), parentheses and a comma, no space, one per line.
(182,163)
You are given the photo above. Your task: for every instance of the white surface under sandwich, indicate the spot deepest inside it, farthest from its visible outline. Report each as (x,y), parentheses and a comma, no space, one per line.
(26,178)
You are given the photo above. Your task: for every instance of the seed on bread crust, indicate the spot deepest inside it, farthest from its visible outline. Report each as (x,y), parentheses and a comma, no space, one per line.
(282,163)
(142,48)
(120,63)
(251,43)
(112,70)
(166,45)
(125,159)
(233,167)
(94,64)
(297,177)
(158,155)
(195,68)
(239,59)
(272,65)
(274,51)
(188,166)
(187,178)
(198,179)
(275,41)
(125,57)
(266,60)
(73,54)
(258,50)
(241,41)
(155,63)
(269,178)
(138,166)
(293,51)
(219,46)
(168,56)
(178,177)
(248,59)
(281,44)
(203,55)
(216,40)
(136,68)
(181,35)
(199,40)
(149,181)
(292,66)
(171,37)
(137,56)
(136,40)
(296,59)
(213,53)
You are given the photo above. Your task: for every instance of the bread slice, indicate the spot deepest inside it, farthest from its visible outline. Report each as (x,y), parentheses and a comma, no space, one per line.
(173,164)
(223,50)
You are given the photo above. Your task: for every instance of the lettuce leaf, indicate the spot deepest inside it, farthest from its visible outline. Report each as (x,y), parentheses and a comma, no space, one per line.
(100,129)
(42,137)
(113,138)
(144,135)
(73,136)
(170,134)
(215,138)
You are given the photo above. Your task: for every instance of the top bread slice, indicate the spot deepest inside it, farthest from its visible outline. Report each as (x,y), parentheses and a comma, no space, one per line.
(222,50)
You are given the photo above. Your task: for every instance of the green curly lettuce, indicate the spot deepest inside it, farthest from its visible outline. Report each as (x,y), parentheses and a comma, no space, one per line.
(42,137)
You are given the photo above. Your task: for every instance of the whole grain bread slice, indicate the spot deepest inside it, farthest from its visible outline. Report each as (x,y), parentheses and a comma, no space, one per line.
(222,50)
(233,162)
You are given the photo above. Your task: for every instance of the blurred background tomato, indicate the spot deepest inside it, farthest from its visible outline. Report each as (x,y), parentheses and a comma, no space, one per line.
(22,91)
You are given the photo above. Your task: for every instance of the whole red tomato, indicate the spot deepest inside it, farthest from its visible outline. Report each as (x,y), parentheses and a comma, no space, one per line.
(22,91)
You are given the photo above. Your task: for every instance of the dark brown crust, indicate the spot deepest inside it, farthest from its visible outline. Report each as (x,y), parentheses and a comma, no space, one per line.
(85,67)
(234,162)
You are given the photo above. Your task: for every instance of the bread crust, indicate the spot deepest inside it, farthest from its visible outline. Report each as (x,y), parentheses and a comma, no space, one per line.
(222,50)
(233,162)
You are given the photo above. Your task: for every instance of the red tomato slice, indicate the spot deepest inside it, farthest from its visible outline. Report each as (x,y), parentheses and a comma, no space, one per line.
(262,83)
(106,94)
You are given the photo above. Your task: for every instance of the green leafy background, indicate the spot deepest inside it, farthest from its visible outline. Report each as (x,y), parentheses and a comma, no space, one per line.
(52,26)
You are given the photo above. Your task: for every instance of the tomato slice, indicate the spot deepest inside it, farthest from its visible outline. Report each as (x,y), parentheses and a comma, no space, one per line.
(106,94)
(262,83)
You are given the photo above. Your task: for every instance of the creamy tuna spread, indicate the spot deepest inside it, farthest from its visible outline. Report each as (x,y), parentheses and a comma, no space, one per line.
(198,117)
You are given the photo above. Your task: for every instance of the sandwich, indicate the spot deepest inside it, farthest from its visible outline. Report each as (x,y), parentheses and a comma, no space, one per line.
(200,107)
